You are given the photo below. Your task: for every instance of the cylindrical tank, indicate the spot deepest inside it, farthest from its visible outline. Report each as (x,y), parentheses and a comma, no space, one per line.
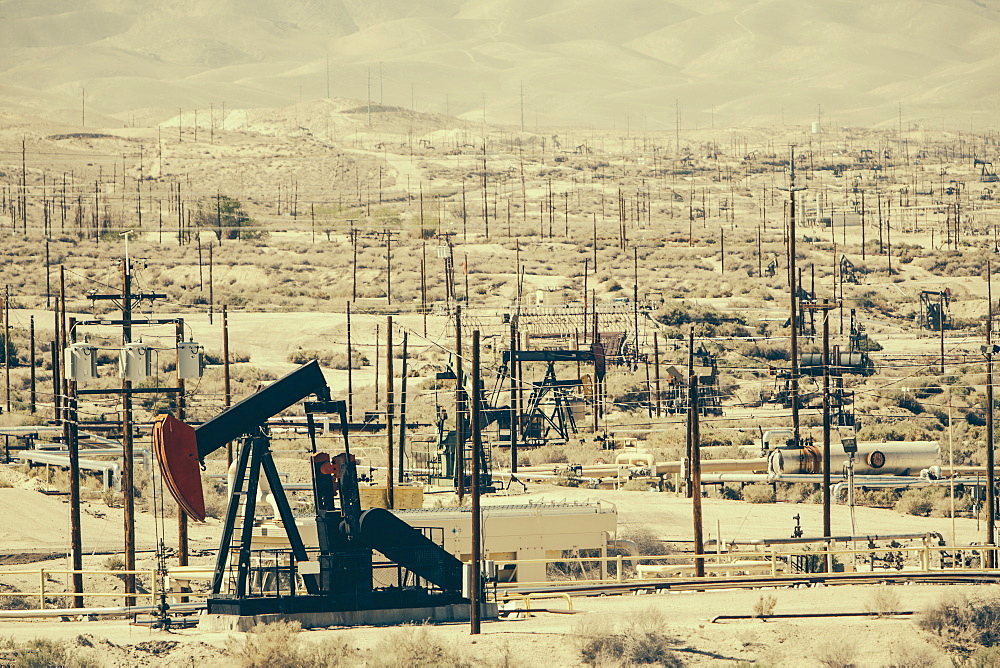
(135,361)
(858,363)
(632,458)
(189,359)
(80,362)
(892,458)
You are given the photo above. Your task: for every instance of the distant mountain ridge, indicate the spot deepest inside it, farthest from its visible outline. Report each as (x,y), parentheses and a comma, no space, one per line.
(581,61)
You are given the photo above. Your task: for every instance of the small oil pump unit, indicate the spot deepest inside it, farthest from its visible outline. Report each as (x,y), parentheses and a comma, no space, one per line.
(366,560)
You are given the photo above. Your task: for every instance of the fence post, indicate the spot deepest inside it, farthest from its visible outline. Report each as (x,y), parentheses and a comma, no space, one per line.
(774,563)
(41,588)
(925,557)
(620,574)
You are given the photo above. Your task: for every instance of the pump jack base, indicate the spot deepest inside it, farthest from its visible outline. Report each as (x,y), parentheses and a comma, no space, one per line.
(310,612)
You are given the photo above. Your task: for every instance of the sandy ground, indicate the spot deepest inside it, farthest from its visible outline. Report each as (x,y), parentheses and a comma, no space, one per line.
(552,639)
(684,616)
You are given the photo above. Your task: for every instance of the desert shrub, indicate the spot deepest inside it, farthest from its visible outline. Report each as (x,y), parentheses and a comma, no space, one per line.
(45,653)
(795,492)
(13,602)
(553,454)
(416,646)
(868,345)
(226,217)
(729,493)
(638,640)
(836,652)
(964,622)
(984,657)
(769,353)
(114,563)
(764,606)
(876,498)
(759,492)
(882,601)
(906,401)
(645,539)
(918,501)
(278,645)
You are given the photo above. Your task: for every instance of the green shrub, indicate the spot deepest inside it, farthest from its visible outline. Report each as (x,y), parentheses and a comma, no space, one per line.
(278,645)
(964,622)
(759,492)
(764,607)
(638,640)
(917,502)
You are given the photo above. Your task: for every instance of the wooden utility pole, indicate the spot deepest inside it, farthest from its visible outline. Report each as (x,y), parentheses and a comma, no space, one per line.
(477,447)
(460,408)
(390,408)
(827,522)
(354,264)
(694,448)
(227,391)
(182,518)
(211,285)
(990,453)
(794,301)
(635,299)
(402,410)
(350,369)
(7,347)
(941,306)
(70,435)
(656,371)
(33,396)
(128,484)
(514,412)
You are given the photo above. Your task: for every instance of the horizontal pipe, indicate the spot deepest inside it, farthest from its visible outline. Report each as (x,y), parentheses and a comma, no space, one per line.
(125,610)
(811,615)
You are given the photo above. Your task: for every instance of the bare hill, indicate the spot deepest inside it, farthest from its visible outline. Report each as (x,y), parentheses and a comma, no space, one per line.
(590,61)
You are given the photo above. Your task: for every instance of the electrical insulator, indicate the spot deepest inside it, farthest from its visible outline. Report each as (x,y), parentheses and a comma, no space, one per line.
(135,362)
(190,359)
(80,362)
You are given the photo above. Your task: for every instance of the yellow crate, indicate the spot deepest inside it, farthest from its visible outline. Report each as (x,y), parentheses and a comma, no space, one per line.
(404,497)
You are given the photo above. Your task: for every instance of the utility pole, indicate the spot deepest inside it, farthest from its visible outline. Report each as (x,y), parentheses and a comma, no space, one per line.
(126,301)
(514,413)
(827,522)
(7,346)
(128,461)
(33,396)
(350,369)
(388,234)
(390,408)
(70,435)
(402,410)
(990,454)
(354,264)
(635,299)
(793,286)
(477,447)
(460,408)
(694,438)
(182,518)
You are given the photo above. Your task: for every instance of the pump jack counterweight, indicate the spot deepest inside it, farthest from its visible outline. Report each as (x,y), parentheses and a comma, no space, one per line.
(356,548)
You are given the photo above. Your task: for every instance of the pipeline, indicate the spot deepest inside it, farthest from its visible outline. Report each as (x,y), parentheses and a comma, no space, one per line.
(97,612)
(812,615)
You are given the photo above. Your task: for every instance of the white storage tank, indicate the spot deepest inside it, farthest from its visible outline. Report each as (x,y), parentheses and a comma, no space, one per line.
(891,458)
(80,362)
(135,361)
(190,359)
